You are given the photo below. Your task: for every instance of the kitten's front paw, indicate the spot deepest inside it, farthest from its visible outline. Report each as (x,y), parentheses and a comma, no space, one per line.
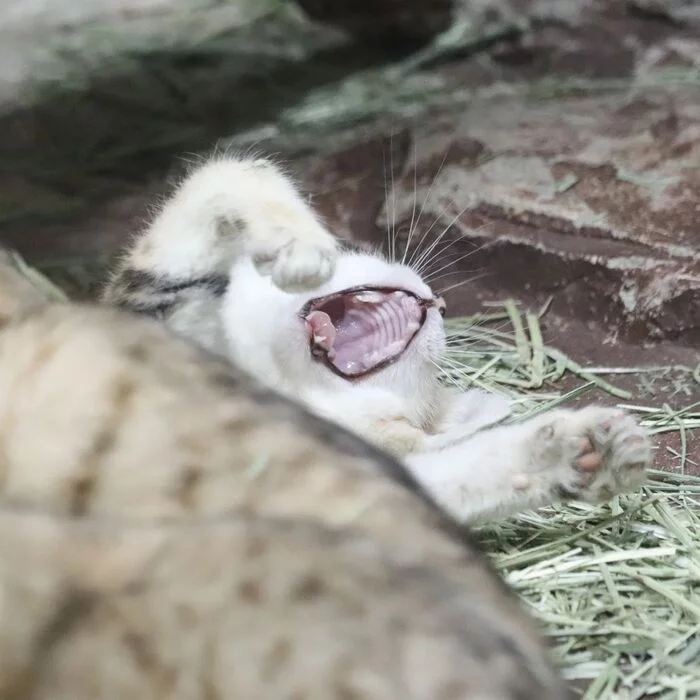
(599,453)
(297,264)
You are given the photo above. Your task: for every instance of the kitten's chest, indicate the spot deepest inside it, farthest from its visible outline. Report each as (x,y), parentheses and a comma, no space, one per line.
(385,419)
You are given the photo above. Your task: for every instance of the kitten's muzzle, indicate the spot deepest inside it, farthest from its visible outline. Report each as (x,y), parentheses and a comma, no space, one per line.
(363,329)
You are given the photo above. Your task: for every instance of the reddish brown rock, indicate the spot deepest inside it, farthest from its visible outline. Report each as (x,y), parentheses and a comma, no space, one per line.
(592,200)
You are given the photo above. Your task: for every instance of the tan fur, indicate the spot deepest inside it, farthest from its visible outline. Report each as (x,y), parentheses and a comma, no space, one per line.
(171,529)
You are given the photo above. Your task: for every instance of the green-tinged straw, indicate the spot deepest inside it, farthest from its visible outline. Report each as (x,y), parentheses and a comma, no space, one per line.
(617,586)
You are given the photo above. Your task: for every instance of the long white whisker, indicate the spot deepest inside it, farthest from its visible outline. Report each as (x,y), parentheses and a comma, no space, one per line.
(413,210)
(393,194)
(434,255)
(452,262)
(444,374)
(425,201)
(434,280)
(451,344)
(386,201)
(419,263)
(439,238)
(461,283)
(480,323)
(438,275)
(427,272)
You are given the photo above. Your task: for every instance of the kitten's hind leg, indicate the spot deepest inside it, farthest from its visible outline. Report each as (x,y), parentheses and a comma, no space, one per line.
(228,207)
(589,454)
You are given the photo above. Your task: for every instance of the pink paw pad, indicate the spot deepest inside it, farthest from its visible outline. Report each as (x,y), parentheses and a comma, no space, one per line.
(588,458)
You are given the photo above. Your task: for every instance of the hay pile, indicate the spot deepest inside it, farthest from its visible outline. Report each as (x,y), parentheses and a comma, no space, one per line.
(617,587)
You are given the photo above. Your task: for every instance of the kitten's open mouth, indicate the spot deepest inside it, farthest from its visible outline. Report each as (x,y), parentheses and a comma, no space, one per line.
(361,330)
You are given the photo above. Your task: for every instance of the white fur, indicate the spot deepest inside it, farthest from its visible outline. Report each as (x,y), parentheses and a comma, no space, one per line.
(245,218)
(196,230)
(267,337)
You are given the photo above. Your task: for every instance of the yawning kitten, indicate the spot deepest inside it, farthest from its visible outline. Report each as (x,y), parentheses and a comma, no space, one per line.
(224,263)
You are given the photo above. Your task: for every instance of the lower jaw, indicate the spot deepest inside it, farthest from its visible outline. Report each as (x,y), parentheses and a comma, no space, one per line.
(322,357)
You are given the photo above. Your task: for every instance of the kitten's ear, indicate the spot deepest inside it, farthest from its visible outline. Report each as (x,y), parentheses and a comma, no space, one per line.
(20,289)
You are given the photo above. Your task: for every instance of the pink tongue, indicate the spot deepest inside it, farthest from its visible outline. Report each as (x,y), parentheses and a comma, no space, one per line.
(322,331)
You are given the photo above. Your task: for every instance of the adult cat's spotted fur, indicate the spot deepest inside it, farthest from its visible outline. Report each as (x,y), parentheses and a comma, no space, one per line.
(236,261)
(169,528)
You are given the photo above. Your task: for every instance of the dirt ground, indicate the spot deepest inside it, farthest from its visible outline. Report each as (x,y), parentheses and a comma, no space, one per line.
(554,145)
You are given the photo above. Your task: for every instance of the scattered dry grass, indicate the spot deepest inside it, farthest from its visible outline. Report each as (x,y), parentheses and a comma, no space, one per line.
(617,587)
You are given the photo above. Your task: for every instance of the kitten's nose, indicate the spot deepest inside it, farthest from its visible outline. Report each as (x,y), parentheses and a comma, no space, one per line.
(440,305)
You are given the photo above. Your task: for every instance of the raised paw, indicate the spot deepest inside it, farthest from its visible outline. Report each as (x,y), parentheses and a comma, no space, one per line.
(250,207)
(298,265)
(299,256)
(596,452)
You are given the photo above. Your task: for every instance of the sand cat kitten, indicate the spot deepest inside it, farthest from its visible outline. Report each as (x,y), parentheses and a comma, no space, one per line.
(223,262)
(171,528)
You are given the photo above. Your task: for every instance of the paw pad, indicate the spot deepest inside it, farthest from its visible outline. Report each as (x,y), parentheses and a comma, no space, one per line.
(588,459)
(609,453)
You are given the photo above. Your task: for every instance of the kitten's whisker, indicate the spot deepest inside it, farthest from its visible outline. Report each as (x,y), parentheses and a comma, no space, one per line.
(459,284)
(428,194)
(436,278)
(458,341)
(413,210)
(430,255)
(445,230)
(452,345)
(393,195)
(477,322)
(427,263)
(444,270)
(436,254)
(451,259)
(419,264)
(452,273)
(456,368)
(386,200)
(445,375)
(452,262)
(425,201)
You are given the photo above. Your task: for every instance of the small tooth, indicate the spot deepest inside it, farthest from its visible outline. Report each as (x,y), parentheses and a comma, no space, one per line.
(370,297)
(412,326)
(398,293)
(319,339)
